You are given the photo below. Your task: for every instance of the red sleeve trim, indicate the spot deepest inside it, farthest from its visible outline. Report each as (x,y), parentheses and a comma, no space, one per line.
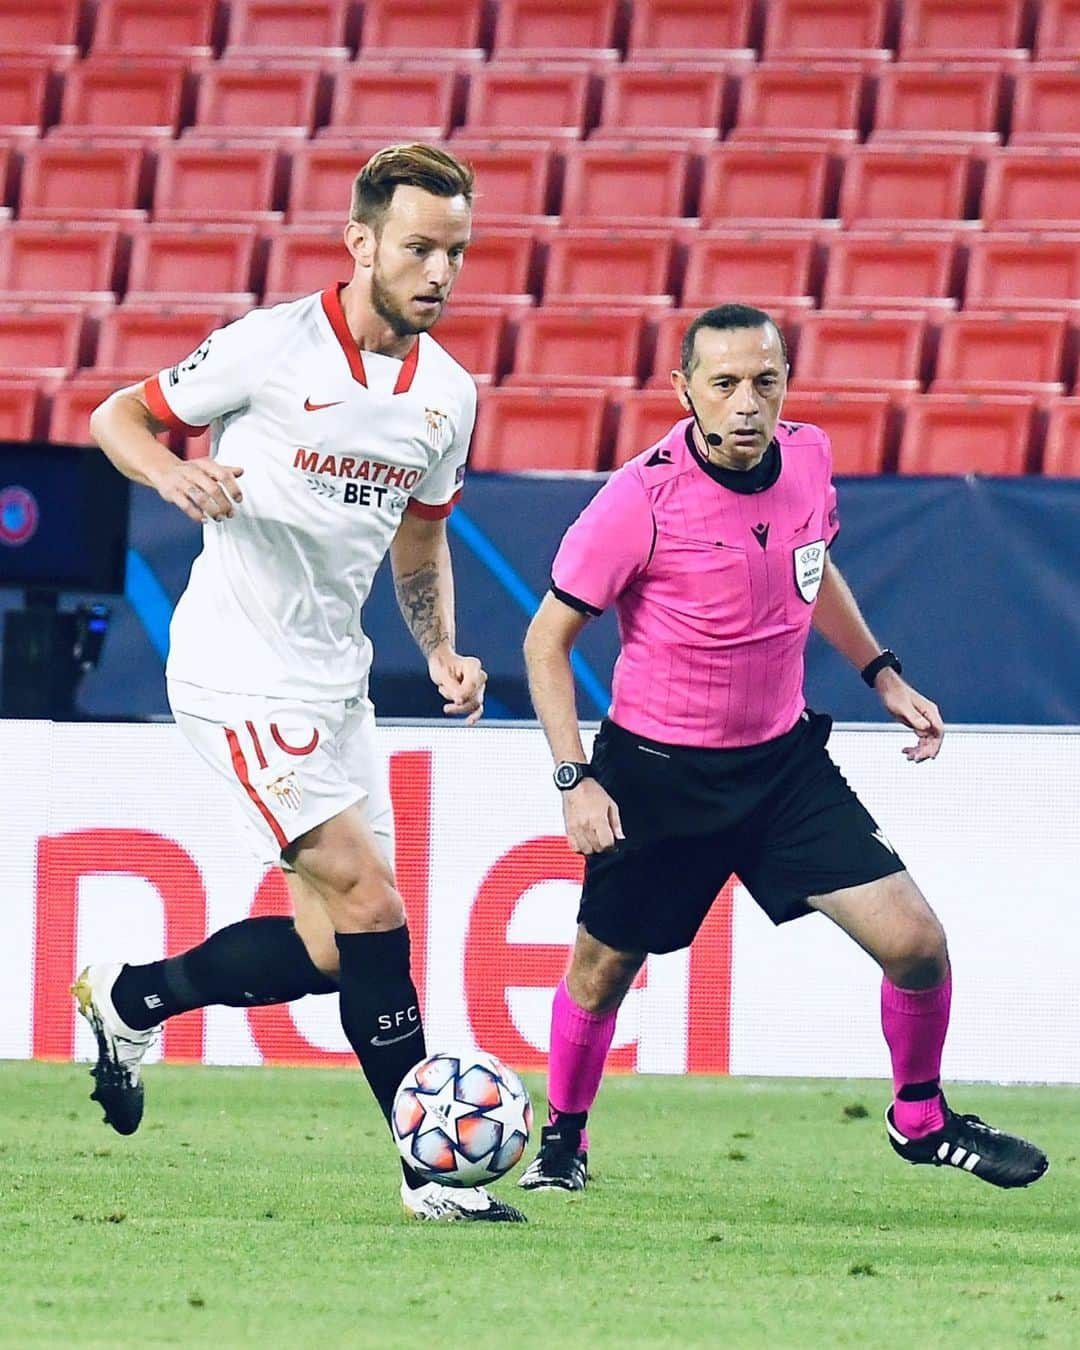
(427,512)
(159,407)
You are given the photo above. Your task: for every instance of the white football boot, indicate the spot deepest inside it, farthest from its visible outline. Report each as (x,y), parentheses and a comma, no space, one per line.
(454,1204)
(120,1048)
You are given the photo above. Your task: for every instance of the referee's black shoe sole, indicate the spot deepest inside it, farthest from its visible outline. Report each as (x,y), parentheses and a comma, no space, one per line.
(968,1144)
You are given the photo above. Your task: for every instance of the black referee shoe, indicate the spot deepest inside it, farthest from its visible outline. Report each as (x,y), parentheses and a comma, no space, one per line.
(968,1143)
(561,1165)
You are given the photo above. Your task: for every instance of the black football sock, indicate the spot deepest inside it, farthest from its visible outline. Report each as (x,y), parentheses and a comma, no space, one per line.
(380,1012)
(250,963)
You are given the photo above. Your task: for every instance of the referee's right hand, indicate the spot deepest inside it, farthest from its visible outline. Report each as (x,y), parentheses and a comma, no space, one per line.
(592,818)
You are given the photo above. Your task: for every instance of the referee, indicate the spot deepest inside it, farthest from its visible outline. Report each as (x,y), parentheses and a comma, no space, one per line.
(713,547)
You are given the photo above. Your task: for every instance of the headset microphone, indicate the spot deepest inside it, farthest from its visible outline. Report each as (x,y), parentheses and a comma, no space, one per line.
(711,438)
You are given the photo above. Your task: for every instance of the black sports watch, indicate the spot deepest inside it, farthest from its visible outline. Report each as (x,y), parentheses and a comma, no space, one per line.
(887,660)
(568,774)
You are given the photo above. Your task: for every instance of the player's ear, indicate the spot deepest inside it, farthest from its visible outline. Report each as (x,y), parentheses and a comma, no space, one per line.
(360,241)
(678,383)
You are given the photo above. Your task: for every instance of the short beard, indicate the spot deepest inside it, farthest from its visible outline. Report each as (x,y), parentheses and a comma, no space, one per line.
(385,308)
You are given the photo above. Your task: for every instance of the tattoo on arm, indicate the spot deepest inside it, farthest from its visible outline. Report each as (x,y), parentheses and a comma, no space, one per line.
(418,599)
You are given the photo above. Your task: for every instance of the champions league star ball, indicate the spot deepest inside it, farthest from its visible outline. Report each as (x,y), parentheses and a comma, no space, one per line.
(462,1120)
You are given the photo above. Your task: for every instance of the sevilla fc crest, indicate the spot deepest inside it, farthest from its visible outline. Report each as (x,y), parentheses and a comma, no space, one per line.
(286,791)
(809,562)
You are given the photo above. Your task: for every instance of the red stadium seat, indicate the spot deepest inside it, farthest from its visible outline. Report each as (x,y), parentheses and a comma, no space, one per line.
(548,27)
(560,346)
(657,99)
(1046,105)
(44,339)
(905,186)
(55,260)
(287,27)
(938,101)
(475,336)
(553,429)
(890,271)
(1001,352)
(874,349)
(173,262)
(857,424)
(1061,453)
(43,28)
(396,100)
(820,101)
(1023,271)
(258,98)
(74,401)
(1036,189)
(24,94)
(82,180)
(304,259)
(527,99)
(133,97)
(498,265)
(645,415)
(772,185)
(321,178)
(1057,36)
(207,181)
(667,29)
(20,403)
(427,25)
(642,183)
(954,434)
(596,267)
(820,28)
(512,181)
(763,268)
(960,29)
(150,338)
(182,28)
(7,196)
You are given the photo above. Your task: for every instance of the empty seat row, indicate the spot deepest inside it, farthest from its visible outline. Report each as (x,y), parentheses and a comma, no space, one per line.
(830,101)
(785,268)
(551,27)
(767,184)
(571,429)
(882,351)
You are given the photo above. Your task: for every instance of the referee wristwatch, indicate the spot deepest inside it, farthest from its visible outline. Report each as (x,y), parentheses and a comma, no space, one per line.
(887,660)
(569,774)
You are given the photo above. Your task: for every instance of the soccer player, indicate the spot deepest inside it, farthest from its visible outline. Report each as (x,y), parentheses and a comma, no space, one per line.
(713,547)
(340,431)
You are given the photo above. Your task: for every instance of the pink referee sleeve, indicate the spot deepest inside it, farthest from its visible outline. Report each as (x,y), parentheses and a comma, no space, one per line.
(607,546)
(832,515)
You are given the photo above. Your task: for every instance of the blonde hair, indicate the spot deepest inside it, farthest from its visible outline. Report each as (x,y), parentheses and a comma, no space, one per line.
(422,166)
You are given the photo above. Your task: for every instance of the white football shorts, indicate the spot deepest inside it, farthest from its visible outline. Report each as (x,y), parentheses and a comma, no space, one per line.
(288,765)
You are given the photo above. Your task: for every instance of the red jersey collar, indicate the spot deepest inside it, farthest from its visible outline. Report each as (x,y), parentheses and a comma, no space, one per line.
(331,303)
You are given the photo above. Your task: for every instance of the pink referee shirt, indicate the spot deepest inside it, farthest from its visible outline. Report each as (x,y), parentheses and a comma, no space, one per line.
(714,589)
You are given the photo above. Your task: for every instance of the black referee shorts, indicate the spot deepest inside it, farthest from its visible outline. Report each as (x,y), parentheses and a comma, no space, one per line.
(780,816)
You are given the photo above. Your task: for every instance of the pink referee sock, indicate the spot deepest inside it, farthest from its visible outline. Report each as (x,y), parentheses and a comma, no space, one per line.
(580,1041)
(915,1022)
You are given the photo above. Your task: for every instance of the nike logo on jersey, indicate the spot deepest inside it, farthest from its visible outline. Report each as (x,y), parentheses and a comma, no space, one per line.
(317,407)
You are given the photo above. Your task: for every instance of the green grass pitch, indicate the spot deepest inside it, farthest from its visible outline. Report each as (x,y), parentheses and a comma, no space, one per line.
(259,1207)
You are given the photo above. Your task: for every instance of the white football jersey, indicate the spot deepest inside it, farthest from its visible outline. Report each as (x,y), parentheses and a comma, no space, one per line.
(335,445)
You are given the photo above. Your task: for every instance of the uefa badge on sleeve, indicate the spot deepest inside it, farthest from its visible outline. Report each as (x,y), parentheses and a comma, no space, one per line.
(809,569)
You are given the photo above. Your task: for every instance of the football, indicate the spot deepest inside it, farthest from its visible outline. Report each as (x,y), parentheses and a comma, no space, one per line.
(463,1120)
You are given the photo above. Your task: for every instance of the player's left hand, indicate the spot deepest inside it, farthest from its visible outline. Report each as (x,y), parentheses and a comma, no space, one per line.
(907,705)
(460,680)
